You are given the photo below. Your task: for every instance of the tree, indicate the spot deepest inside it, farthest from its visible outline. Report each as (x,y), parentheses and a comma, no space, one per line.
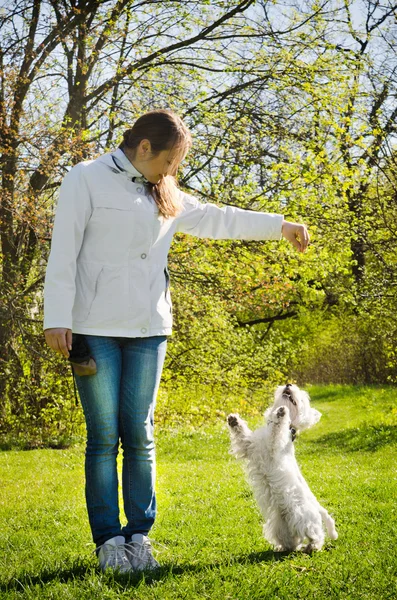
(292,110)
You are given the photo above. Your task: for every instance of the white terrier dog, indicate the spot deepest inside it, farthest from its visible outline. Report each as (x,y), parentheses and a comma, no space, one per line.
(291,511)
(302,415)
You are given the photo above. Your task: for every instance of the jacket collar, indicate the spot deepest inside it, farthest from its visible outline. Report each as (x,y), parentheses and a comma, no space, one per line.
(124,164)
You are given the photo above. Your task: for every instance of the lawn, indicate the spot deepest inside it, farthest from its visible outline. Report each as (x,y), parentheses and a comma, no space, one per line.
(208,531)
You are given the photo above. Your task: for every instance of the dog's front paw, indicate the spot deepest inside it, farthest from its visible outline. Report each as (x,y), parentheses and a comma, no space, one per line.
(233,421)
(281,412)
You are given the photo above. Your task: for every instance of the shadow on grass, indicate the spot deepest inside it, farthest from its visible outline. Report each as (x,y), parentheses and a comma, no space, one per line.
(78,570)
(81,569)
(337,392)
(11,443)
(367,437)
(330,393)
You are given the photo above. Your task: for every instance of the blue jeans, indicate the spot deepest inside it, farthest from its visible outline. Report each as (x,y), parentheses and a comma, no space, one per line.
(118,403)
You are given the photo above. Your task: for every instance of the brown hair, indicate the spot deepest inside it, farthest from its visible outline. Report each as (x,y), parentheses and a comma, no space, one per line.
(166,131)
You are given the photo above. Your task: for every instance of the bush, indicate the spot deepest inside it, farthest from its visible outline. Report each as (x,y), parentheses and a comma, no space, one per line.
(346,349)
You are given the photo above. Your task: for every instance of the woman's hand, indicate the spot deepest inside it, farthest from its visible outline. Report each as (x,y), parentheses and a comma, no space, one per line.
(297,234)
(59,339)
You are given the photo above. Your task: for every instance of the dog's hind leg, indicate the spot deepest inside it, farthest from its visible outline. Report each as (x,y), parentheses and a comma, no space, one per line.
(240,435)
(278,533)
(329,523)
(315,536)
(314,531)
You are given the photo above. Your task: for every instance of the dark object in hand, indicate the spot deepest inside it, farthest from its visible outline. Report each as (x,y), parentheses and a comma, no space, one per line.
(79,356)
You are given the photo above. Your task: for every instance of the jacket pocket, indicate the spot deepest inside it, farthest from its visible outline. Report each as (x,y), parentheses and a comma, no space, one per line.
(87,276)
(109,306)
(121,202)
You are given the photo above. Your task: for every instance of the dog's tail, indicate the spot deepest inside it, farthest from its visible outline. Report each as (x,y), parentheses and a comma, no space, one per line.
(329,523)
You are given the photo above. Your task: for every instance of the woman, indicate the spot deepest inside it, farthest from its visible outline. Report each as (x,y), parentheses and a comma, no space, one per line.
(107,279)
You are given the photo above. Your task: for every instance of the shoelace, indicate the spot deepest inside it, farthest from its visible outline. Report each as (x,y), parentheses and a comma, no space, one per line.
(131,549)
(117,553)
(142,550)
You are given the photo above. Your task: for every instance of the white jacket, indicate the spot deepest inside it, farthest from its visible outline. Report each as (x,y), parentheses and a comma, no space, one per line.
(107,270)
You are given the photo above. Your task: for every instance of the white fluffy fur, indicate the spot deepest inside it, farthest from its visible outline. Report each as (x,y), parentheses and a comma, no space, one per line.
(291,512)
(302,415)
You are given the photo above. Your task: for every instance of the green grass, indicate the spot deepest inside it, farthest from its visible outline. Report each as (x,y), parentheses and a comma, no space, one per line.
(208,522)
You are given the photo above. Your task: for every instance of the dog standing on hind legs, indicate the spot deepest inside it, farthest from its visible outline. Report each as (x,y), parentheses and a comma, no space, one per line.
(291,511)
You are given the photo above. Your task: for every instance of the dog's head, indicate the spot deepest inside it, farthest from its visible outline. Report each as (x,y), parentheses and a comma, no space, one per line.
(302,415)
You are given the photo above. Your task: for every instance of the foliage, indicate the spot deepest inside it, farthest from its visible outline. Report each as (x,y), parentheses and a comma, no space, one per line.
(292,109)
(345,348)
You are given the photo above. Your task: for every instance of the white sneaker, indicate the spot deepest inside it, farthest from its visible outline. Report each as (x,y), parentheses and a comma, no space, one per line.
(139,552)
(112,555)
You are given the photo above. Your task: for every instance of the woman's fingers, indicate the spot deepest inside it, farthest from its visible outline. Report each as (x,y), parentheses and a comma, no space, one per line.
(296,234)
(59,339)
(304,237)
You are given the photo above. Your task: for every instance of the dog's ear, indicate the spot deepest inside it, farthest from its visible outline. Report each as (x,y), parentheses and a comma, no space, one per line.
(316,415)
(313,417)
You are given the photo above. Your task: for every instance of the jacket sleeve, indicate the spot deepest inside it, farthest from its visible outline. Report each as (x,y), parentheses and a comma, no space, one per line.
(208,220)
(72,215)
